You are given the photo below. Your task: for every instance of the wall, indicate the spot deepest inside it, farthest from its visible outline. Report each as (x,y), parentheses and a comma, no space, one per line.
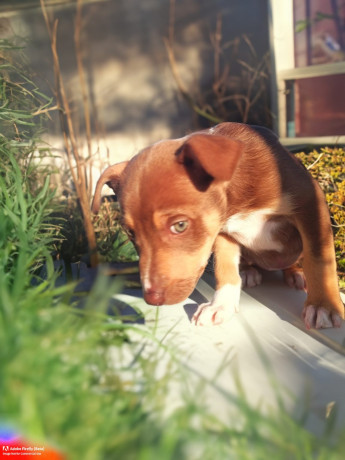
(132,92)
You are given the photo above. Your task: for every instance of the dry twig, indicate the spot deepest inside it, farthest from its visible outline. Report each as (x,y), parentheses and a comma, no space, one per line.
(75,160)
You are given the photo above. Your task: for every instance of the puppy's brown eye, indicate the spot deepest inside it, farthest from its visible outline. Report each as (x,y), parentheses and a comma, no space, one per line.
(179,227)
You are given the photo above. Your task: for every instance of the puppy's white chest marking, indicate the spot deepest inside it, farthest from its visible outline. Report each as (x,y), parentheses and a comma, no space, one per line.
(254,230)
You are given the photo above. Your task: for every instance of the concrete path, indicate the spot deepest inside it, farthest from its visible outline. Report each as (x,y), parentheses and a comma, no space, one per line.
(264,352)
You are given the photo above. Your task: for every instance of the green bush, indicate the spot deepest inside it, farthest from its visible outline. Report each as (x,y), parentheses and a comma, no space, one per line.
(327,166)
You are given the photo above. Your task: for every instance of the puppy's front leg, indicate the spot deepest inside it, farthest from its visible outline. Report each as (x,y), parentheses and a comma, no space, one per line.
(226,299)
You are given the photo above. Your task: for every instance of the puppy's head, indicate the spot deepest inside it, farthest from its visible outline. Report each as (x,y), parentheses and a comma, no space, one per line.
(173,201)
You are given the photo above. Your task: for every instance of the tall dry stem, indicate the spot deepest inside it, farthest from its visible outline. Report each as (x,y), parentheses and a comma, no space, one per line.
(76,161)
(84,90)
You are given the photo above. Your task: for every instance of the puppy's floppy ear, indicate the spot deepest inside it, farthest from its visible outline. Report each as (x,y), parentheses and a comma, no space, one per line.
(111,176)
(208,157)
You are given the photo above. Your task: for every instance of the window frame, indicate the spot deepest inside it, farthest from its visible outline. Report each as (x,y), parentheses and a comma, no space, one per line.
(284,72)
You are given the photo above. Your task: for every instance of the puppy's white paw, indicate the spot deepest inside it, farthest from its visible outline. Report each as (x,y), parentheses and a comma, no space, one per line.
(223,306)
(250,276)
(320,318)
(208,314)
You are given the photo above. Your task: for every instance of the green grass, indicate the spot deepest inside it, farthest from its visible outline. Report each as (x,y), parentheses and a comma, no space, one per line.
(59,381)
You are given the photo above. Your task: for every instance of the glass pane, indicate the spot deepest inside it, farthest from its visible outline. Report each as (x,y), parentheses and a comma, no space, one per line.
(319,31)
(316,106)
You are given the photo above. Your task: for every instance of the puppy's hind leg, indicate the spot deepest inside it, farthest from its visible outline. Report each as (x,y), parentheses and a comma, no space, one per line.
(294,277)
(250,275)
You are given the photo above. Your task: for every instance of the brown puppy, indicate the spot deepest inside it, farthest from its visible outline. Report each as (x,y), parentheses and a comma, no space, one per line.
(235,191)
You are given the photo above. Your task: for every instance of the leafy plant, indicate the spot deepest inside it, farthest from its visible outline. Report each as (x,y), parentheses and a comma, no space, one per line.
(114,245)
(22,104)
(327,166)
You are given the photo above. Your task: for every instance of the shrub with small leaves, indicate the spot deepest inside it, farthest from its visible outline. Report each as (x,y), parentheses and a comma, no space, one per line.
(114,244)
(327,166)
